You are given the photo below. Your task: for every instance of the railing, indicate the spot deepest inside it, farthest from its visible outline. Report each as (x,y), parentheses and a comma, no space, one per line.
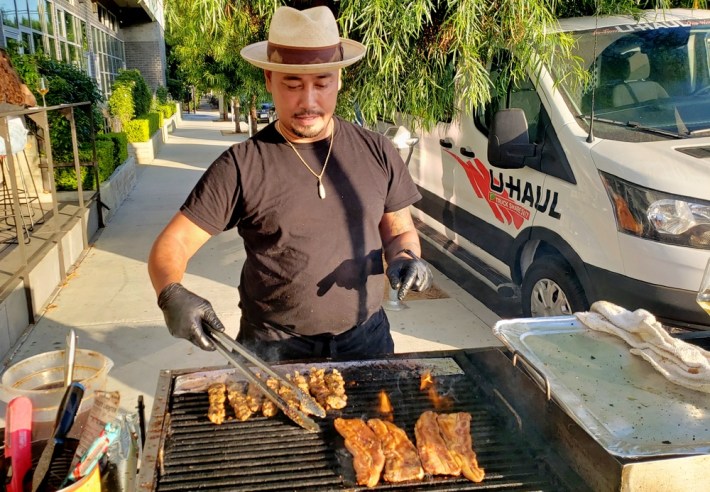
(52,224)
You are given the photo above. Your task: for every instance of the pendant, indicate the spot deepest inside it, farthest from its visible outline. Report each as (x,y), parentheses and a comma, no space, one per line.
(321,190)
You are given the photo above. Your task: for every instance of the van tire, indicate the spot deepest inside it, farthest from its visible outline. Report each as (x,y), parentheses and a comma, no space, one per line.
(551,288)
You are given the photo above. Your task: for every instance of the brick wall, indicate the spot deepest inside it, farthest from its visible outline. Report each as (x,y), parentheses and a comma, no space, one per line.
(145,50)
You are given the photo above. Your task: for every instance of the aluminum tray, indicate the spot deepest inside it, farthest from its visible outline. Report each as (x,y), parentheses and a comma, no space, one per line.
(617,397)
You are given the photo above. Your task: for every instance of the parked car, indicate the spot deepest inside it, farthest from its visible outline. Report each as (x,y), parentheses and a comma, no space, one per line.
(265,113)
(564,195)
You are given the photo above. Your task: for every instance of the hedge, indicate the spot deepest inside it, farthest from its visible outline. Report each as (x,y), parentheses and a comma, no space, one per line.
(120,146)
(167,109)
(141,129)
(66,176)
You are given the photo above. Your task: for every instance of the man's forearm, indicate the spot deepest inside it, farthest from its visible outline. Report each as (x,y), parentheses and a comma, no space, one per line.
(167,263)
(171,251)
(407,240)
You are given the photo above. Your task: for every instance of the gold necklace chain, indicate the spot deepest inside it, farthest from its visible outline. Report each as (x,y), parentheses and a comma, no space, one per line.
(319,177)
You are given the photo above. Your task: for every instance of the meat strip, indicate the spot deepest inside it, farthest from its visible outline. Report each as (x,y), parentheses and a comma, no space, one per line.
(401,458)
(216,395)
(366,448)
(336,390)
(328,388)
(318,388)
(254,397)
(456,430)
(268,407)
(301,381)
(435,456)
(236,394)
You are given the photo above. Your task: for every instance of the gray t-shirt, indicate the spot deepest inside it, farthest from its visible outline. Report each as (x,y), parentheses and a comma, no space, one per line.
(313,266)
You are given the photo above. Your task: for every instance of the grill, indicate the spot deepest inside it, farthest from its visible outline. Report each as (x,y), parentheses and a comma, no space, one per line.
(523,440)
(185,451)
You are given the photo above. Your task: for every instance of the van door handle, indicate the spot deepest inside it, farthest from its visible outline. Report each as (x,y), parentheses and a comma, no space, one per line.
(468,152)
(446,143)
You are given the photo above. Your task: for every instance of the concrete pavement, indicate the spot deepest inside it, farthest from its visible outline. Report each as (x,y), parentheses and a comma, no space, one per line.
(109,302)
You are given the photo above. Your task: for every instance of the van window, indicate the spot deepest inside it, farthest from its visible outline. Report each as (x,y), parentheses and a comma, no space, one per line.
(523,95)
(655,75)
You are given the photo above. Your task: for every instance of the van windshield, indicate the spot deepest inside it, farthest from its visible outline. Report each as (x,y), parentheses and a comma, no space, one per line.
(644,77)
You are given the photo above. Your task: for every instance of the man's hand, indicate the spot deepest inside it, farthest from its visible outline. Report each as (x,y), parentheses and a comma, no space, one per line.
(187,314)
(407,274)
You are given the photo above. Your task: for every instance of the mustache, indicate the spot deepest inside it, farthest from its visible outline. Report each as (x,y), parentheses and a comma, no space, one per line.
(308,113)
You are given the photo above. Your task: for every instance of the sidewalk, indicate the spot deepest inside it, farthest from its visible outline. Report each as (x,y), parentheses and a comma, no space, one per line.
(109,302)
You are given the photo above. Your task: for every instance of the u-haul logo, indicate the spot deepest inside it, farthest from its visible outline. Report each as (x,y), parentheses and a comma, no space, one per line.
(508,198)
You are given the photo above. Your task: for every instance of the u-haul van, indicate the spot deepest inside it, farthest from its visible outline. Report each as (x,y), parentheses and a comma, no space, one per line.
(566,195)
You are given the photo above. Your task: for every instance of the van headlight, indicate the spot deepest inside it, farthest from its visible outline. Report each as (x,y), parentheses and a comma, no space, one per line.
(658,216)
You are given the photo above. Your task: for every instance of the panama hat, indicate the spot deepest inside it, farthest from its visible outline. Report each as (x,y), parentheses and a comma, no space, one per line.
(303,41)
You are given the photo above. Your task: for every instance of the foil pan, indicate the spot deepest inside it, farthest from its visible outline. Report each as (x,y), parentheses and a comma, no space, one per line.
(618,398)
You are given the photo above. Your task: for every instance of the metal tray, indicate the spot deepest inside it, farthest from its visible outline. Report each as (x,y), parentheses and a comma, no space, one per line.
(617,397)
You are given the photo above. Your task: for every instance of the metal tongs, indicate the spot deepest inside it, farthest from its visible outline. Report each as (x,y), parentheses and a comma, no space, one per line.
(226,346)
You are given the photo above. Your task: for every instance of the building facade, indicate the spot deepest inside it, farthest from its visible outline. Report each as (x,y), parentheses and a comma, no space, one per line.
(100,37)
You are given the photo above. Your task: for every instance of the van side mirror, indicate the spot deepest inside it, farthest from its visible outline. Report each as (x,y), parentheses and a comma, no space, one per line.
(508,142)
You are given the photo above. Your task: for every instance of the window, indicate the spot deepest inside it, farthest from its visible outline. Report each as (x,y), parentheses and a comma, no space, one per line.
(23,12)
(49,17)
(33,7)
(9,13)
(69,27)
(523,95)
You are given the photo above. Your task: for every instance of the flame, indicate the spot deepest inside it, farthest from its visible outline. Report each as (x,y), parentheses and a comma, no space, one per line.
(440,402)
(385,406)
(427,381)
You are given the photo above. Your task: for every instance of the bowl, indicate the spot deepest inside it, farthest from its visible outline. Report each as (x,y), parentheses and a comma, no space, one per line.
(41,379)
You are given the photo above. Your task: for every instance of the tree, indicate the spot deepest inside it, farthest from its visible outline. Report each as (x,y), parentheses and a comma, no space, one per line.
(207,44)
(425,58)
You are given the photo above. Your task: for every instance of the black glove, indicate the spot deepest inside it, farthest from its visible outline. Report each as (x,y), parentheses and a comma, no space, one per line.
(187,315)
(408,273)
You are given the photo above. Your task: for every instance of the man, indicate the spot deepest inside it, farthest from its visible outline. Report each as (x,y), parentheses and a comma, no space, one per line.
(316,200)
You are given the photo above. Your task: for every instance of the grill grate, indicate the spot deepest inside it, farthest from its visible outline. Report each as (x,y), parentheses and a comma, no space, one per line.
(274,454)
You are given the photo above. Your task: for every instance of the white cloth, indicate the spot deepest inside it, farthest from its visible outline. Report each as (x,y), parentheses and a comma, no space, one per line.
(18,135)
(679,361)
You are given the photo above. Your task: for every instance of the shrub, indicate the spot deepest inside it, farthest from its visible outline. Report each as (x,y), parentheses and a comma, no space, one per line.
(167,110)
(65,177)
(68,84)
(161,94)
(120,103)
(158,123)
(142,96)
(137,130)
(120,146)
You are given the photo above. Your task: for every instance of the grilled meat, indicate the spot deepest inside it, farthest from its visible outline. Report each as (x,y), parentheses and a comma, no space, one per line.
(327,388)
(268,407)
(236,394)
(254,397)
(456,431)
(319,390)
(366,448)
(336,390)
(300,380)
(435,456)
(289,396)
(217,396)
(401,458)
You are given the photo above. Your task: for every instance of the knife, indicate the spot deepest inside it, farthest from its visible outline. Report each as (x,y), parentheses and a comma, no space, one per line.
(18,441)
(63,424)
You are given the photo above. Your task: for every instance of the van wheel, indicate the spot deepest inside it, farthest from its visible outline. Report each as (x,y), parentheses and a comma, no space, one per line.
(551,288)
